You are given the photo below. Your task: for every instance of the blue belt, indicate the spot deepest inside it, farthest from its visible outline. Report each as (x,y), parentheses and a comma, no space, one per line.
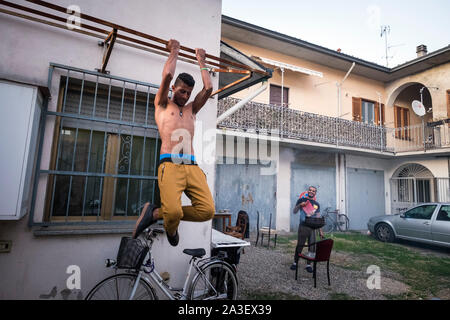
(183,157)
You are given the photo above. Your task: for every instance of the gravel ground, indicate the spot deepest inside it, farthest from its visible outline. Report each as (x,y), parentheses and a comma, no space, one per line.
(264,274)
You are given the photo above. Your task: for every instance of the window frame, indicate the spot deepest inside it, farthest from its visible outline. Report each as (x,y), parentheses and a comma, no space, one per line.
(285,96)
(357,111)
(448,214)
(402,119)
(418,207)
(139,109)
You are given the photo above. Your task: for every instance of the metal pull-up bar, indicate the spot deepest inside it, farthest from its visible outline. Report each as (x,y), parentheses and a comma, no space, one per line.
(143,35)
(223,65)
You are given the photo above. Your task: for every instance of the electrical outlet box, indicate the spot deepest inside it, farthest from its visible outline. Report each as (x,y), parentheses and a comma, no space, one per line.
(5,246)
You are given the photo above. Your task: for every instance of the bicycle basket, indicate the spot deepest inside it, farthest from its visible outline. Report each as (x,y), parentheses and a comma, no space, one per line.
(131,253)
(314,223)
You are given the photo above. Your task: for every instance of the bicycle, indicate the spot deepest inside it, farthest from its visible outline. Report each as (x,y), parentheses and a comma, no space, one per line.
(214,278)
(335,221)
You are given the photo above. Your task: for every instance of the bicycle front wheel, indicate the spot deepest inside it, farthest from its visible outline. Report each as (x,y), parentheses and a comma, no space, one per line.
(343,222)
(329,224)
(120,287)
(216,281)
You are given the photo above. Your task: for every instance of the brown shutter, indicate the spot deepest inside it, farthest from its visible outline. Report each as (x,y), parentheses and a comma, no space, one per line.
(448,105)
(275,95)
(376,114)
(356,109)
(383,119)
(406,121)
(397,123)
(285,96)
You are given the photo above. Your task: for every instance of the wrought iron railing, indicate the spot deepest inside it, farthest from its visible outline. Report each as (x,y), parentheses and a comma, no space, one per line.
(299,125)
(420,137)
(295,124)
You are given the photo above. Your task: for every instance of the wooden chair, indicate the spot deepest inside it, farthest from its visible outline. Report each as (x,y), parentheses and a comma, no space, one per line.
(265,231)
(323,253)
(241,228)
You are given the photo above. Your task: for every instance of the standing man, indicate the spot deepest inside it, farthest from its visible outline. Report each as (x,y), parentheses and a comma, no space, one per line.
(178,171)
(308,206)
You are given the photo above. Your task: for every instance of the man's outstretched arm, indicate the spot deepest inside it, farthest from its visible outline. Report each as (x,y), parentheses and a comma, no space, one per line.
(203,96)
(161,98)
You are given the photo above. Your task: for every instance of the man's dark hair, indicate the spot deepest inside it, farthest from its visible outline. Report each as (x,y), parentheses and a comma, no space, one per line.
(186,78)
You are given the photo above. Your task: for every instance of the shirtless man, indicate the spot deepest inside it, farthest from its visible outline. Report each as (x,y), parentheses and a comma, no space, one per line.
(178,172)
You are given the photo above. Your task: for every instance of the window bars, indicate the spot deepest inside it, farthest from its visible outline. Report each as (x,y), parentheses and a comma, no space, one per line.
(103,162)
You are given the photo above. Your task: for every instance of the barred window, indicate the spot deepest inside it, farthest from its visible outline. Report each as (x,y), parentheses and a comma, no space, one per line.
(105,151)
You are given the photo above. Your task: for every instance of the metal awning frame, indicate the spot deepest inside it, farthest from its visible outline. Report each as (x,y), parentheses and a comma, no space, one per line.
(286,66)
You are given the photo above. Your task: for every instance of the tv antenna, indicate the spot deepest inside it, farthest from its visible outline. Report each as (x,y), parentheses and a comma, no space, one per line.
(385,30)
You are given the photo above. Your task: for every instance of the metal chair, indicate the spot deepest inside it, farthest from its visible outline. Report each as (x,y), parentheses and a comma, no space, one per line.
(323,253)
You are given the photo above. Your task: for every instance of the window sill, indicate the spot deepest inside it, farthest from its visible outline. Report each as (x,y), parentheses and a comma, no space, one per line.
(125,229)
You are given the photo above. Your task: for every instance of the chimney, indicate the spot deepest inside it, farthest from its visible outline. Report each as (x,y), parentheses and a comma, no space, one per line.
(422,50)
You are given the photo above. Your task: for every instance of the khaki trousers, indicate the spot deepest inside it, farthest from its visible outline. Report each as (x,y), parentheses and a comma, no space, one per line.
(173,180)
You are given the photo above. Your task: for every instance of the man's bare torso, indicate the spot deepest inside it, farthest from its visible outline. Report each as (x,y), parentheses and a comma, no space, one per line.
(176,131)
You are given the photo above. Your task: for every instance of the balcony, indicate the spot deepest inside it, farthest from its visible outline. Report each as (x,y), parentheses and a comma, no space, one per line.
(303,126)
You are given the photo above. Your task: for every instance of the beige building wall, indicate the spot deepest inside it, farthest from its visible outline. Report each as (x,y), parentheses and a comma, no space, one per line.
(320,96)
(438,77)
(311,93)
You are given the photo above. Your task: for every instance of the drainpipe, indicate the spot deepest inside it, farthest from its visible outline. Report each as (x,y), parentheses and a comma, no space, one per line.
(242,103)
(339,85)
(282,86)
(381,124)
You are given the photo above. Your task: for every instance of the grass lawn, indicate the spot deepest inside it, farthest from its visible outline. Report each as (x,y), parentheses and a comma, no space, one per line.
(425,274)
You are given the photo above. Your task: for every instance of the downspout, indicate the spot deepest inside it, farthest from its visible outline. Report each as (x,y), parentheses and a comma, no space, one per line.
(242,103)
(340,192)
(339,86)
(282,87)
(381,123)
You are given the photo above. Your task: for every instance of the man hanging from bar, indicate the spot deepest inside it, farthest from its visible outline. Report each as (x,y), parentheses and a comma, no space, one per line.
(178,171)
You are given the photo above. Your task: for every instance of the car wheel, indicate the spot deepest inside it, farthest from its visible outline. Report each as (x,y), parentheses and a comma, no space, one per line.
(384,233)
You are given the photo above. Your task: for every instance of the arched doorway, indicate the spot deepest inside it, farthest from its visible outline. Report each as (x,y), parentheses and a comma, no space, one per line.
(411,131)
(411,184)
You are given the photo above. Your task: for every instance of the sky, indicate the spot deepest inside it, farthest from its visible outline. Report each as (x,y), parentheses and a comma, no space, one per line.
(353,26)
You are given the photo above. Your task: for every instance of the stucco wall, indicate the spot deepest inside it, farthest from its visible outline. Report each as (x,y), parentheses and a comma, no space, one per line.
(35,265)
(311,93)
(438,77)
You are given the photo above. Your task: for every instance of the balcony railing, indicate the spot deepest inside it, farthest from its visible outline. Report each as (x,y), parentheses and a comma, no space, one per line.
(294,124)
(420,137)
(299,125)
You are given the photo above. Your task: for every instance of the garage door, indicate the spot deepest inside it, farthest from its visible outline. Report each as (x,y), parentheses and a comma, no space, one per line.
(242,187)
(322,177)
(365,194)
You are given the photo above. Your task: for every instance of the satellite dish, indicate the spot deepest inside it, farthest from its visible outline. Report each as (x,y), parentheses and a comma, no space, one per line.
(418,108)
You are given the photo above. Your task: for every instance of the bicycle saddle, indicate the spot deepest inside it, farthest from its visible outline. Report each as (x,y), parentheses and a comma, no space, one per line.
(196,253)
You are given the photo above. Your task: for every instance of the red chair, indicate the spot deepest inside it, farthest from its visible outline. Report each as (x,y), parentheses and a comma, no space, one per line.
(323,252)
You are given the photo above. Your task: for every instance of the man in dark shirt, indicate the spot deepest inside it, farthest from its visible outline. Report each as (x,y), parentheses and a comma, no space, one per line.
(308,206)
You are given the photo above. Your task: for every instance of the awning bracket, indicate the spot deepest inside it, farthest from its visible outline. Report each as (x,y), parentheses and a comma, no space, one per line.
(108,44)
